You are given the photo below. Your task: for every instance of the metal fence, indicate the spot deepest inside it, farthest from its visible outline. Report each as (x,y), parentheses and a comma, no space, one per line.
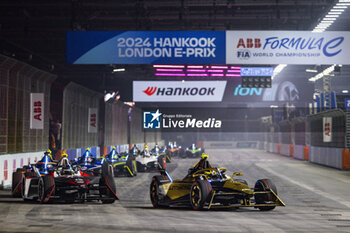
(76,103)
(17,81)
(116,123)
(338,129)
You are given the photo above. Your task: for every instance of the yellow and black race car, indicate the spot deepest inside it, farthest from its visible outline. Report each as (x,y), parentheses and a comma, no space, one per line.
(209,187)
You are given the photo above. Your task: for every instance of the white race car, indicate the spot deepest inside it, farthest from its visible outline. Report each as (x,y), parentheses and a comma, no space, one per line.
(147,161)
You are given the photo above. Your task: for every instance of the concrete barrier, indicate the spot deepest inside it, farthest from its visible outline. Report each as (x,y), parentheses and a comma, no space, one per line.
(10,162)
(299,152)
(332,157)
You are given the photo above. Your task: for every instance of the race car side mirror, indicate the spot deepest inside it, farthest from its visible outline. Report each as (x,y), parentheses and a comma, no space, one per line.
(237,174)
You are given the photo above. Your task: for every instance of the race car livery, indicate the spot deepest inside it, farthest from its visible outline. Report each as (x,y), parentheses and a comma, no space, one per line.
(194,152)
(47,182)
(123,163)
(175,151)
(209,187)
(148,161)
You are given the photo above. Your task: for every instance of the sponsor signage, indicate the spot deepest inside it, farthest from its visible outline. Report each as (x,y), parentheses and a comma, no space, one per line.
(256,71)
(145,47)
(200,119)
(37,111)
(347,104)
(178,91)
(327,129)
(207,47)
(287,47)
(92,121)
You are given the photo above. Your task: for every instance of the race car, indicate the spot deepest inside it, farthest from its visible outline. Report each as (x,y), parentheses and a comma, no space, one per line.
(194,152)
(123,164)
(88,163)
(161,152)
(46,182)
(174,151)
(148,161)
(209,187)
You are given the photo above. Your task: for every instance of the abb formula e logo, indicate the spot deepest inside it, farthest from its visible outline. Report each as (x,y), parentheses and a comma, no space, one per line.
(150,91)
(178,91)
(249,43)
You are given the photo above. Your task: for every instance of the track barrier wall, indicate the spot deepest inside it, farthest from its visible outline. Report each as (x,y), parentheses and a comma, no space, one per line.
(302,138)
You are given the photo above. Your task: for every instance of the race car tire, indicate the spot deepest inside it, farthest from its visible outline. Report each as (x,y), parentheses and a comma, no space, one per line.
(46,188)
(17,184)
(264,198)
(242,181)
(154,191)
(199,194)
(140,167)
(107,184)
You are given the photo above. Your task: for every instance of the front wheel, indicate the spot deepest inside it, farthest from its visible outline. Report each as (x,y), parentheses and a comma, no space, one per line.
(199,194)
(265,198)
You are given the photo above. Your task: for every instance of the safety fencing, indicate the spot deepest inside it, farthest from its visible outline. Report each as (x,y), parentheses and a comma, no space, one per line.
(17,81)
(320,138)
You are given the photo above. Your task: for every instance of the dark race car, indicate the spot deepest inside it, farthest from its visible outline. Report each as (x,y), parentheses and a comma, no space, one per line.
(209,187)
(175,151)
(88,163)
(194,152)
(44,183)
(123,163)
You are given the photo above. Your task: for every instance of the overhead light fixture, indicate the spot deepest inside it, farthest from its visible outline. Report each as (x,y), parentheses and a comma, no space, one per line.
(311,70)
(325,72)
(118,70)
(278,70)
(332,15)
(345,91)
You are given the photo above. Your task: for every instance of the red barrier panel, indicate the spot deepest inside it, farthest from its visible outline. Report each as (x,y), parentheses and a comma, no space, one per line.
(5,170)
(346,159)
(291,150)
(306,153)
(278,148)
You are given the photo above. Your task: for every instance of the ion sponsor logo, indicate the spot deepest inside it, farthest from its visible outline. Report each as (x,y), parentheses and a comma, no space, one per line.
(150,91)
(152,120)
(239,91)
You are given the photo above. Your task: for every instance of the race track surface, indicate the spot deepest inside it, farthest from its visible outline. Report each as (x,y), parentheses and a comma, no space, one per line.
(317,199)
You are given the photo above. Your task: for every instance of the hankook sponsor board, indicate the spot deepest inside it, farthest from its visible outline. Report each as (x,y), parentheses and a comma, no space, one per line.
(178,91)
(207,47)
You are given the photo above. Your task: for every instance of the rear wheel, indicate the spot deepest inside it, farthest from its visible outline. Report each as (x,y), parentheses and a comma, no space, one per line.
(200,191)
(155,194)
(17,184)
(265,198)
(46,188)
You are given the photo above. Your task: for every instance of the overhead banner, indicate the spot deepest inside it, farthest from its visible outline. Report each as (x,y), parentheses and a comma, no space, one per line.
(327,129)
(145,47)
(178,91)
(36,110)
(287,47)
(207,47)
(92,121)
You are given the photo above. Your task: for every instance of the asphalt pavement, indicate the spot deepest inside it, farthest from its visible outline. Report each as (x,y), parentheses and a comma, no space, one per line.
(316,198)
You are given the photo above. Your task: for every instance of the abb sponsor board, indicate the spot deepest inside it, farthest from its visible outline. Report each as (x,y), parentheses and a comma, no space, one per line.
(37,111)
(327,129)
(178,91)
(287,47)
(92,121)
